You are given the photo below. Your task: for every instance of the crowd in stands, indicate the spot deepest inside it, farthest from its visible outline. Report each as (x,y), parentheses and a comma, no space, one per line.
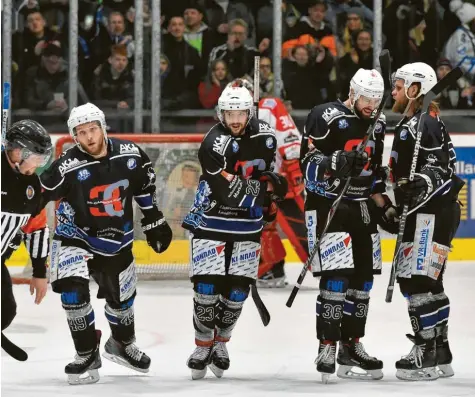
(207,43)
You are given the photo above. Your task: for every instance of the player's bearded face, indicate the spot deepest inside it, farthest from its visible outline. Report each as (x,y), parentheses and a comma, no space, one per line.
(399,96)
(91,138)
(366,106)
(236,120)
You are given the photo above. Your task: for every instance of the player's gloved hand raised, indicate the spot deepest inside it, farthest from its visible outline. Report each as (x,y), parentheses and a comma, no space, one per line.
(416,190)
(278,183)
(345,164)
(158,233)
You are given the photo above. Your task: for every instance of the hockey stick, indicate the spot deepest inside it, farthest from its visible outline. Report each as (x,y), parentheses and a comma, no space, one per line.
(13,350)
(385,62)
(5,110)
(261,308)
(449,79)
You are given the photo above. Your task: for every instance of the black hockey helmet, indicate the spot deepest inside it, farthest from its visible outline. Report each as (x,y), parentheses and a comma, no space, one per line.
(31,138)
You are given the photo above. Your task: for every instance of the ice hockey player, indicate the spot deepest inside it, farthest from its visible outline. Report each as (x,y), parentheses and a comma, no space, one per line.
(271,267)
(96,180)
(235,195)
(350,252)
(27,147)
(433,219)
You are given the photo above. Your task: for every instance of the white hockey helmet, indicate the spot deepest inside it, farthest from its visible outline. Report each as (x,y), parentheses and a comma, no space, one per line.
(418,72)
(367,83)
(85,114)
(235,98)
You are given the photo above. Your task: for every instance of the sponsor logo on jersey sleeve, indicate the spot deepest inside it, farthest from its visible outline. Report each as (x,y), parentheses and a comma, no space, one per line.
(128,148)
(83,175)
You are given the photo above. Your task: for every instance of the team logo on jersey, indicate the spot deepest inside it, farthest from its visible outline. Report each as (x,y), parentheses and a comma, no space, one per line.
(403,135)
(30,192)
(131,164)
(128,148)
(431,158)
(269,143)
(83,175)
(342,124)
(235,146)
(378,128)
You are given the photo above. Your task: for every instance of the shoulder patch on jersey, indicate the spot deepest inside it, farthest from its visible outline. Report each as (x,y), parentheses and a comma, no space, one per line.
(220,143)
(378,127)
(30,192)
(342,124)
(270,143)
(269,103)
(68,164)
(431,158)
(403,135)
(330,113)
(83,174)
(128,148)
(235,146)
(131,164)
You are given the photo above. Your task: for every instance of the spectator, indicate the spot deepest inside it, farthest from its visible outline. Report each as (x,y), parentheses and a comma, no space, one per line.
(313,26)
(361,56)
(114,81)
(354,23)
(197,33)
(460,48)
(185,66)
(337,10)
(47,84)
(306,78)
(221,12)
(453,97)
(238,56)
(28,45)
(266,78)
(265,20)
(115,33)
(211,88)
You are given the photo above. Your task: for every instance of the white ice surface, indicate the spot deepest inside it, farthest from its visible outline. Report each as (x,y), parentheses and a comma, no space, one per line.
(272,361)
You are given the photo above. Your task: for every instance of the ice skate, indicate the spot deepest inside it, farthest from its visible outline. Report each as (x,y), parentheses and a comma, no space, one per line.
(420,363)
(198,361)
(85,364)
(219,359)
(274,278)
(444,355)
(355,363)
(127,355)
(325,360)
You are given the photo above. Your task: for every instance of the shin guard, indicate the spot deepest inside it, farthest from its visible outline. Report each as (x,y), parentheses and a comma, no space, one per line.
(205,303)
(355,312)
(423,313)
(330,303)
(230,310)
(121,321)
(81,321)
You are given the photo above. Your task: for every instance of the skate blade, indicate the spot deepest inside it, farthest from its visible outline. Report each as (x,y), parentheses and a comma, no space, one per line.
(91,377)
(273,283)
(423,374)
(123,362)
(198,373)
(218,372)
(325,378)
(445,370)
(350,372)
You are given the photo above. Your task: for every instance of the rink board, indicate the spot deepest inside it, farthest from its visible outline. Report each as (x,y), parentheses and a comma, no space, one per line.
(463,250)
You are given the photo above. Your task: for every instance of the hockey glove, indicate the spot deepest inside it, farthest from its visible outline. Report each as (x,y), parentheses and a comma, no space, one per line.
(278,183)
(388,216)
(417,190)
(158,233)
(291,170)
(347,164)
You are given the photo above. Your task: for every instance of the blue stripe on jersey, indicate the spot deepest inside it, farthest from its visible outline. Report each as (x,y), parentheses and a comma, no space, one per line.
(144,200)
(312,169)
(247,201)
(223,225)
